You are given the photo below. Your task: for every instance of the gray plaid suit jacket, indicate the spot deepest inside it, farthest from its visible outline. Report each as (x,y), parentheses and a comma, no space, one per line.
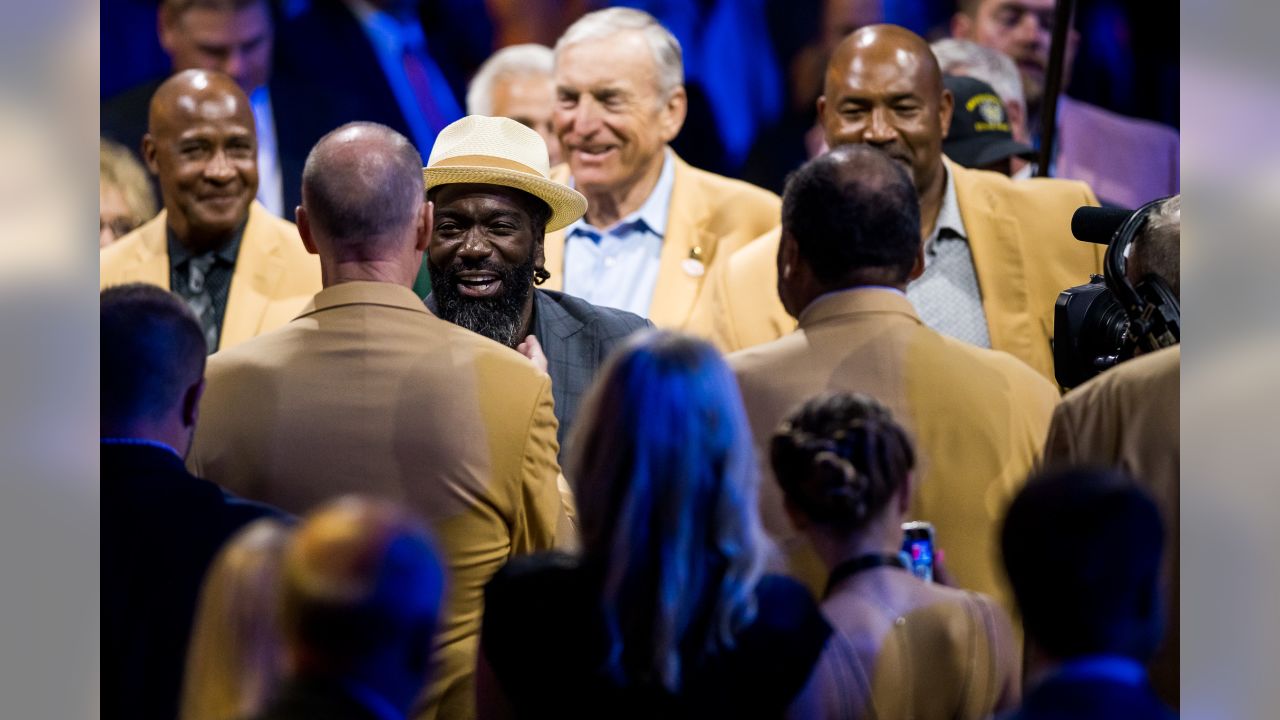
(576,337)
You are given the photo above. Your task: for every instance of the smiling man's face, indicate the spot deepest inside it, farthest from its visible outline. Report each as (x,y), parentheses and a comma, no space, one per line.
(203,148)
(484,249)
(611,116)
(883,89)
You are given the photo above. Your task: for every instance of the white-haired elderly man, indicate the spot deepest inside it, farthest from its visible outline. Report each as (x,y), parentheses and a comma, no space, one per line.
(517,82)
(654,224)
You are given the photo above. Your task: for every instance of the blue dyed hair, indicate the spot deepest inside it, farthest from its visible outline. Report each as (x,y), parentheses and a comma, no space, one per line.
(666,487)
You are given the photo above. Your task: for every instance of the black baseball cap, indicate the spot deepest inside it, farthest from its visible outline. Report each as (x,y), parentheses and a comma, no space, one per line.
(980,132)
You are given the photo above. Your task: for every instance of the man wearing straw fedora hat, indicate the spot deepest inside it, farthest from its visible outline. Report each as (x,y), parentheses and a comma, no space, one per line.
(488,180)
(655,225)
(366,391)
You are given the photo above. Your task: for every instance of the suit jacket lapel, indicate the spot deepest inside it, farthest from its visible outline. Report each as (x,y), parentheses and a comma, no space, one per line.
(555,329)
(995,240)
(686,239)
(150,261)
(258,271)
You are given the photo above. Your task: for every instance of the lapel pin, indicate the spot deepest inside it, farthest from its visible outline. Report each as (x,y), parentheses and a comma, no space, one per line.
(693,265)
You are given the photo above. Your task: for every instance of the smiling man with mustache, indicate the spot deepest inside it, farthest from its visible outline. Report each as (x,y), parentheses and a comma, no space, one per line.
(487,178)
(996,252)
(242,270)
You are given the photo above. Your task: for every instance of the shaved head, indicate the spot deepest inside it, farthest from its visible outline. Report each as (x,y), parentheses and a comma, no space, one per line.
(362,192)
(202,145)
(883,87)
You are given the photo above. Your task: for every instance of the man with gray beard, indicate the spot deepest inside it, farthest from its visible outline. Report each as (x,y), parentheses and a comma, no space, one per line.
(494,203)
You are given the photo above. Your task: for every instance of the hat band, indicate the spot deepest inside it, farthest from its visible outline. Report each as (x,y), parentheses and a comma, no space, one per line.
(488,161)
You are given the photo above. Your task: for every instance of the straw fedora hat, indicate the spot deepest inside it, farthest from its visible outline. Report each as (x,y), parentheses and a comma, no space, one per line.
(501,151)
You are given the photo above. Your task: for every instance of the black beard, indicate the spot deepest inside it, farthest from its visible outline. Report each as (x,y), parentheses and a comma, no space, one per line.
(497,318)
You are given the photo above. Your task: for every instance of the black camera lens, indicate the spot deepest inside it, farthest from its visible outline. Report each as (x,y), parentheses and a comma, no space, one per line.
(1089,332)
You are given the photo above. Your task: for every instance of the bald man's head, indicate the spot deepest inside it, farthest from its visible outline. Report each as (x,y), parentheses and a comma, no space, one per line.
(883,88)
(362,593)
(202,145)
(362,194)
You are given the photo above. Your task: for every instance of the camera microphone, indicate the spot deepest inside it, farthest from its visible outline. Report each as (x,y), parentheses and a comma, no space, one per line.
(1098,224)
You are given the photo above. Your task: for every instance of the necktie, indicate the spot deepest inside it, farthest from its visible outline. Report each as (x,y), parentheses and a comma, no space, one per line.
(199,297)
(415,69)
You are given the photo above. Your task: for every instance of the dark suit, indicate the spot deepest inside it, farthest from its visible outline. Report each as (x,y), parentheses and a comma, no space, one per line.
(327,41)
(303,113)
(1090,699)
(315,699)
(161,527)
(576,337)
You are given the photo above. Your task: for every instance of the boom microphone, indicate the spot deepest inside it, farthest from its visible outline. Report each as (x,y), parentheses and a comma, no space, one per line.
(1098,224)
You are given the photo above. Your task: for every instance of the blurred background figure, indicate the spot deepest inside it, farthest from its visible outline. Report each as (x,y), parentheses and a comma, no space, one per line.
(125,198)
(374,57)
(362,596)
(1125,160)
(903,647)
(517,83)
(161,526)
(235,37)
(666,612)
(236,656)
(980,135)
(1083,549)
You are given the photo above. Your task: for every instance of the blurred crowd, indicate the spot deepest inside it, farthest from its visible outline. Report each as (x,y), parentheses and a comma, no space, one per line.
(672,360)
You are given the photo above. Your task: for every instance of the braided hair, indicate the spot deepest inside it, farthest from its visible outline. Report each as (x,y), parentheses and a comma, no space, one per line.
(840,458)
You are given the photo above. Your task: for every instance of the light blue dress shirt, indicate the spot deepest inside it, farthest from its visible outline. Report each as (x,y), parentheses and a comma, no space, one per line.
(389,37)
(618,267)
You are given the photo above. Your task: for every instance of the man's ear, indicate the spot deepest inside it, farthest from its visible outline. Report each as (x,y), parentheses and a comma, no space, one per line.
(191,403)
(304,229)
(961,26)
(673,113)
(539,251)
(165,30)
(917,269)
(945,109)
(149,154)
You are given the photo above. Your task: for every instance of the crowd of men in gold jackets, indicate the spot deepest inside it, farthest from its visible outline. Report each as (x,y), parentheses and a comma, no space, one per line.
(331,376)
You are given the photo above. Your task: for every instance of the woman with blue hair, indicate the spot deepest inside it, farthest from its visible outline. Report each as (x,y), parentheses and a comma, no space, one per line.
(666,612)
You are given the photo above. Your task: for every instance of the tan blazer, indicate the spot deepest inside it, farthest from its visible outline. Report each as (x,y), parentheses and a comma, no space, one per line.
(274,278)
(977,417)
(710,217)
(1128,417)
(367,392)
(1023,254)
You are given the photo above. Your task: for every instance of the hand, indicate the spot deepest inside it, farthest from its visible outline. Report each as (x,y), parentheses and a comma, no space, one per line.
(532,349)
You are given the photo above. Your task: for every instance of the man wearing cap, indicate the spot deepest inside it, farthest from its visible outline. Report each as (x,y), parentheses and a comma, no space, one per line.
(997,252)
(366,391)
(980,135)
(654,225)
(488,180)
